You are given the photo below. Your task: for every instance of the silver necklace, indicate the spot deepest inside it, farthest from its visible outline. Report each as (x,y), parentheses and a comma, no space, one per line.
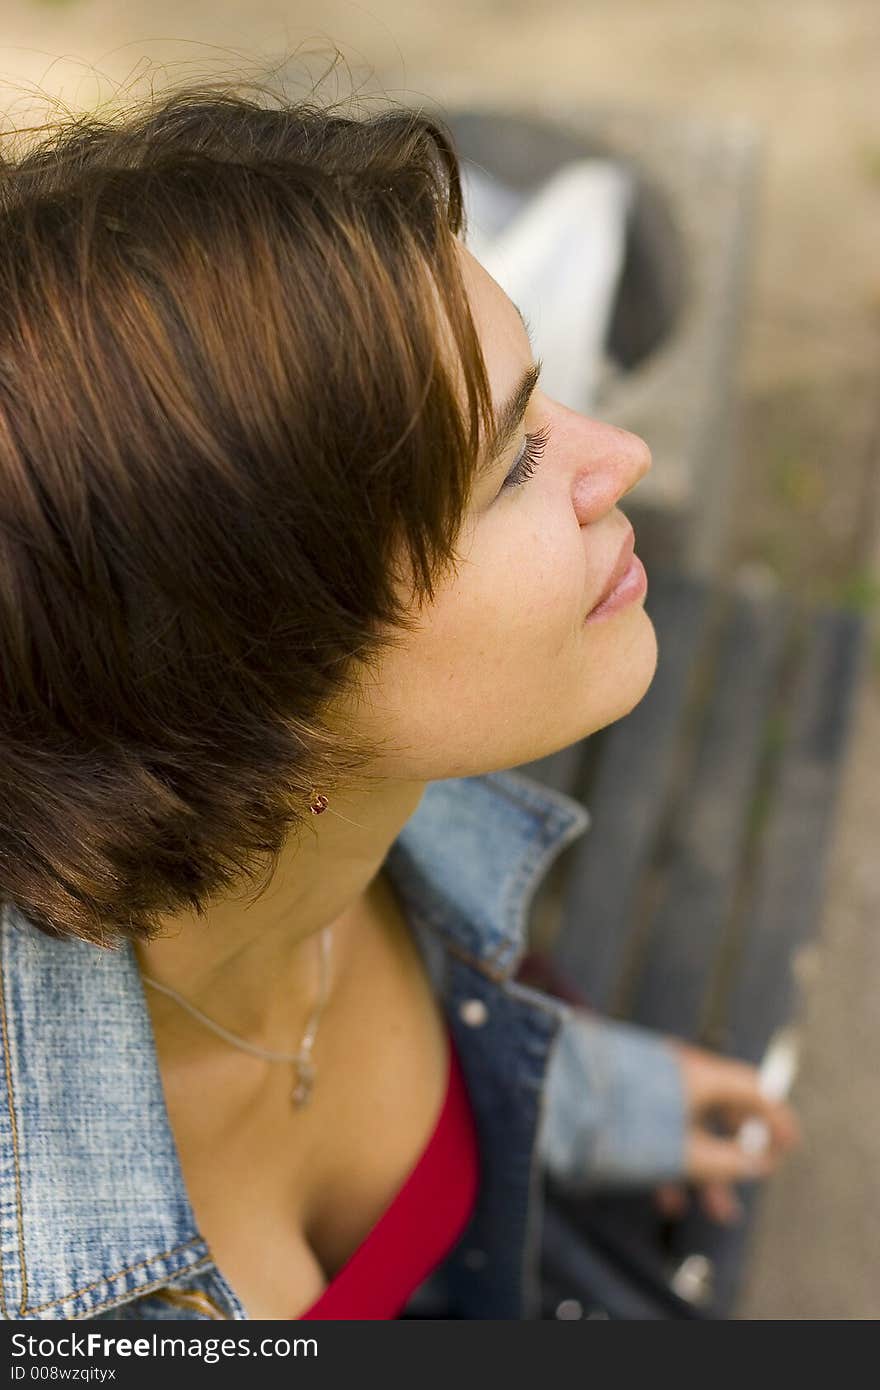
(301,1059)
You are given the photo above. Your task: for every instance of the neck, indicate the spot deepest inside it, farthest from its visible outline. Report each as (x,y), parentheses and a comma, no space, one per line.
(254,968)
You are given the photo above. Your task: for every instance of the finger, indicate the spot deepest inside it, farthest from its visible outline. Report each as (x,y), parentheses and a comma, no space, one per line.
(671,1200)
(782,1122)
(729,1089)
(777,1120)
(727,1084)
(720,1203)
(713,1159)
(712,1080)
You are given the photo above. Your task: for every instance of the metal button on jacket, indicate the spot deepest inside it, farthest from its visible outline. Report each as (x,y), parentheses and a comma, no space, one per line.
(569,1308)
(473,1012)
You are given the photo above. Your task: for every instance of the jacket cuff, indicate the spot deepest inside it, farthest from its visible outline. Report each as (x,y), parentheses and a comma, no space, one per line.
(615,1110)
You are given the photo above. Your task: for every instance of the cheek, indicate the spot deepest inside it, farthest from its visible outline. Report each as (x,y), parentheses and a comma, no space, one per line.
(525,593)
(501,670)
(543,579)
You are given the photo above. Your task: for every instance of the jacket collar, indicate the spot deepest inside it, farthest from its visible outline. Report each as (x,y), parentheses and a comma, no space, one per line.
(469,861)
(94,1206)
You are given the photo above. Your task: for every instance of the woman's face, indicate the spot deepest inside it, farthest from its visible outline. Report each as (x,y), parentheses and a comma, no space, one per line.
(503,668)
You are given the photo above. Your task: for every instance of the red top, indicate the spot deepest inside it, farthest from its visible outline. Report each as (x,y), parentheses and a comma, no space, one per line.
(422,1224)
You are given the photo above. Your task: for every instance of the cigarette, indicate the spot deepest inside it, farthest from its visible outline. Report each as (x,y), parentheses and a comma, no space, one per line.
(775,1077)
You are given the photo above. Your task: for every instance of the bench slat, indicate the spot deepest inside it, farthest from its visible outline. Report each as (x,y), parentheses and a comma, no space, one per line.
(699,882)
(787,891)
(625,799)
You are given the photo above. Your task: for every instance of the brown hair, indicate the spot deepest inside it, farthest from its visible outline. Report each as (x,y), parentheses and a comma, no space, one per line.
(227,433)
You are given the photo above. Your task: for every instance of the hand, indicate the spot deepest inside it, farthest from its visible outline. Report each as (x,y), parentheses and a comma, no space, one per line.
(721,1094)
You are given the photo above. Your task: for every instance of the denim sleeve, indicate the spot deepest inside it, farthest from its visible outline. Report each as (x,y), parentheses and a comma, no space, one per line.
(614,1109)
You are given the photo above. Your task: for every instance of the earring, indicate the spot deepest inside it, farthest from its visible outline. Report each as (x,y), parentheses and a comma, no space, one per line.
(318,803)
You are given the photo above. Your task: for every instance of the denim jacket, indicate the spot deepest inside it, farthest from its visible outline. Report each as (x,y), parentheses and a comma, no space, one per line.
(96,1220)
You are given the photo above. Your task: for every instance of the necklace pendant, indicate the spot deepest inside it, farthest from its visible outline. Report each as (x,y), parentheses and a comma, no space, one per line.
(305,1081)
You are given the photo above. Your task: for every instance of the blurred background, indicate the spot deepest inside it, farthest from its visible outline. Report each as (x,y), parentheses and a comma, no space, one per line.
(802,85)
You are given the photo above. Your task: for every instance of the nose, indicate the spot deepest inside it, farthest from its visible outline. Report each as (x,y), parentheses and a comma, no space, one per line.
(613,462)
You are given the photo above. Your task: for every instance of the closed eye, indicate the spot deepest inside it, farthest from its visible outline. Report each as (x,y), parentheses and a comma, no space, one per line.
(527,462)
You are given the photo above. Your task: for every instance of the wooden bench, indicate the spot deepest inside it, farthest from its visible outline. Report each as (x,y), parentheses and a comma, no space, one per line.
(692,902)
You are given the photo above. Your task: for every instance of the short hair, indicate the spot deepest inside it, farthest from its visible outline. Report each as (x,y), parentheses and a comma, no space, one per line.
(228,431)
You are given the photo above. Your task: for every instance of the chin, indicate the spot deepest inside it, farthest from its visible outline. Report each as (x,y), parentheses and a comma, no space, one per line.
(633,676)
(641,667)
(626,681)
(623,689)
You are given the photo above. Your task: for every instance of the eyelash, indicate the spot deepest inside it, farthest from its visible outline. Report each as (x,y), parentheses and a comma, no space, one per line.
(525,465)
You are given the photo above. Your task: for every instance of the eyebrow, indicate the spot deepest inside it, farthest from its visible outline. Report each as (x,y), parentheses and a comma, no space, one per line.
(509,415)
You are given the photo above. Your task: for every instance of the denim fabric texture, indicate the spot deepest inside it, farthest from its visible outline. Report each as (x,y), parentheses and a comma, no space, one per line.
(96,1220)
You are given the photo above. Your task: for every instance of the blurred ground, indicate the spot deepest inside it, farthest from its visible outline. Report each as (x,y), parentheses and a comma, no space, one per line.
(808,496)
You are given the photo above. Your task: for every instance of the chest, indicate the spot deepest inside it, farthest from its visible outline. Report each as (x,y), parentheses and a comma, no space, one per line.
(283,1197)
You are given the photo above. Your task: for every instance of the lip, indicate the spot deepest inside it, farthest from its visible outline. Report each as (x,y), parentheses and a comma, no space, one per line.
(627,584)
(622,564)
